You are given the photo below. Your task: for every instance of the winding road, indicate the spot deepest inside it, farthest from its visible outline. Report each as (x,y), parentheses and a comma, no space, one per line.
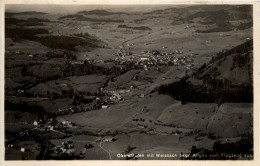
(100,145)
(124,43)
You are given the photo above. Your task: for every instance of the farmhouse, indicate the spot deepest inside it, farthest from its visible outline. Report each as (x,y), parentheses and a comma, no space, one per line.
(22,149)
(109,140)
(63,85)
(144,58)
(141,96)
(104,106)
(77,62)
(35,123)
(66,124)
(10,145)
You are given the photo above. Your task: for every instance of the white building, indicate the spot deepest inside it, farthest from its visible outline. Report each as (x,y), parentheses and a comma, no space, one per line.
(22,149)
(108,140)
(35,123)
(143,58)
(104,106)
(141,96)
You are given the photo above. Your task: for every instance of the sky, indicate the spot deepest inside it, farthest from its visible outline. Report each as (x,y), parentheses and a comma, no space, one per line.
(65,9)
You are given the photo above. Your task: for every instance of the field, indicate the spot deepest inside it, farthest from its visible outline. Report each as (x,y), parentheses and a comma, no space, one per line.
(86,84)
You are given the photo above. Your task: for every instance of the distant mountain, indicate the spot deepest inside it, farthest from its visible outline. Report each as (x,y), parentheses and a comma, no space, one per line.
(167,11)
(101,13)
(223,17)
(220,15)
(204,8)
(24,13)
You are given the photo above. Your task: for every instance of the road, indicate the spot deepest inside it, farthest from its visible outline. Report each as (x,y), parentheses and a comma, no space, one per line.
(100,145)
(21,134)
(124,43)
(53,131)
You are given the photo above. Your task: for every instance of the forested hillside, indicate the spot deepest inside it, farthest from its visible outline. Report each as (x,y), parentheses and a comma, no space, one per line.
(226,78)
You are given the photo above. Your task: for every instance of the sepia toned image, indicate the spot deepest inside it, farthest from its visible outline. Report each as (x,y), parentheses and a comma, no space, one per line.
(129,82)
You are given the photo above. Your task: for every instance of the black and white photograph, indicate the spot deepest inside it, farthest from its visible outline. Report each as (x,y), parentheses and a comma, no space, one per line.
(128,82)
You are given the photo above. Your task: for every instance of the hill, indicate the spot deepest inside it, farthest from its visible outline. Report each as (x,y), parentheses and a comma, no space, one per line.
(234,65)
(226,78)
(223,18)
(101,13)
(52,41)
(83,18)
(24,13)
(28,22)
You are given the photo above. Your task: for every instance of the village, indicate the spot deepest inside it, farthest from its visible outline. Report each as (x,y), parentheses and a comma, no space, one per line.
(146,59)
(155,58)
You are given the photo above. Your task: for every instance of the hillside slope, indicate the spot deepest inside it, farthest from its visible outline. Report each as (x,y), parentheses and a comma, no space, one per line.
(226,78)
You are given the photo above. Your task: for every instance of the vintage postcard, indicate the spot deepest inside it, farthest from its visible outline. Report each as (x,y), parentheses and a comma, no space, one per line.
(171,83)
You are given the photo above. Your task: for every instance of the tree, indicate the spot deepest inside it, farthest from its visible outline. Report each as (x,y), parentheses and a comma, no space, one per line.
(24,70)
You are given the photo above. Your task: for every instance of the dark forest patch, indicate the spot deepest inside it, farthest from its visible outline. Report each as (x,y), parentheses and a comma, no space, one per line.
(214,90)
(83,18)
(143,28)
(28,22)
(100,13)
(56,42)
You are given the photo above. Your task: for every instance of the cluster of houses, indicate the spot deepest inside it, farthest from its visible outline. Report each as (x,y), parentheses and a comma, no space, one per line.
(156,52)
(76,62)
(47,126)
(50,126)
(66,148)
(122,53)
(140,126)
(116,95)
(66,124)
(146,59)
(75,109)
(85,60)
(154,57)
